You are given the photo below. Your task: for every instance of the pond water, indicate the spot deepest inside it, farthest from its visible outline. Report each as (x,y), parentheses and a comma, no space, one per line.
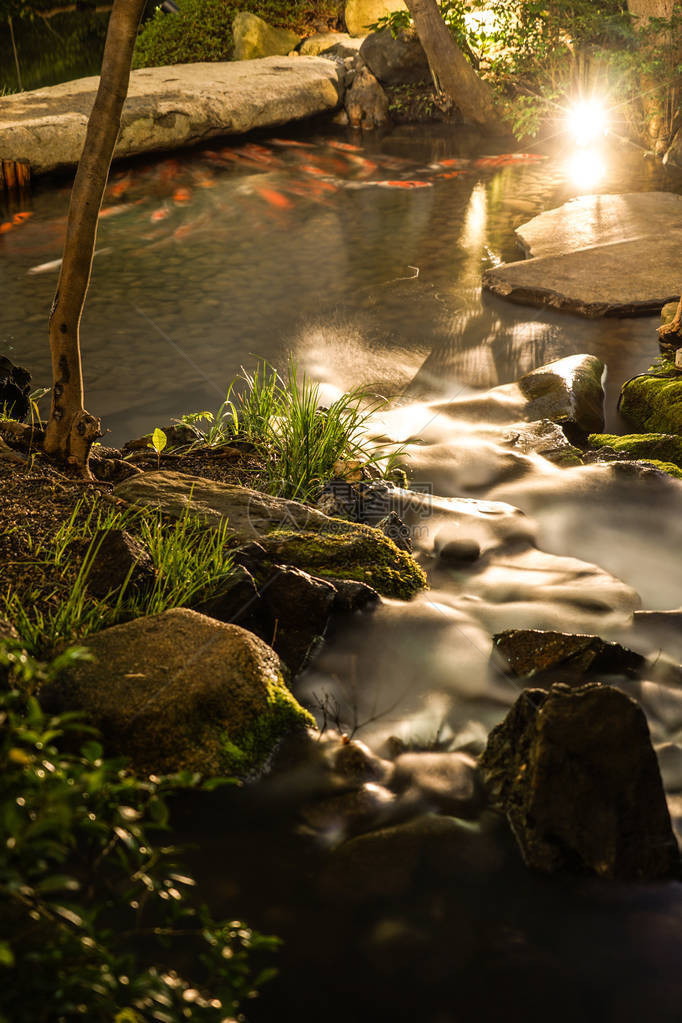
(211,258)
(363,260)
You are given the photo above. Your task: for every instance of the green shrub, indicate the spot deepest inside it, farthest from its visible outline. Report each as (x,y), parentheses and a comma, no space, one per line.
(202,31)
(97,917)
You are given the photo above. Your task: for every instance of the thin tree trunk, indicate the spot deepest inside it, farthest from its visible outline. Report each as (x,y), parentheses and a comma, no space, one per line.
(658,108)
(452,72)
(70,429)
(16,55)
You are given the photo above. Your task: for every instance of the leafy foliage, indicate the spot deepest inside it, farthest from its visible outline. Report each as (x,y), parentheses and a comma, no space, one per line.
(98,920)
(301,443)
(202,31)
(539,56)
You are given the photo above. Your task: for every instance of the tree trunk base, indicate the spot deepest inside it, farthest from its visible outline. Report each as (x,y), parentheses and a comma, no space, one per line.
(72,445)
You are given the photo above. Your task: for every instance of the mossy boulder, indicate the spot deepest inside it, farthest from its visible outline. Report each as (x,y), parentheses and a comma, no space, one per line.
(653,401)
(254,38)
(350,552)
(658,447)
(667,467)
(180,691)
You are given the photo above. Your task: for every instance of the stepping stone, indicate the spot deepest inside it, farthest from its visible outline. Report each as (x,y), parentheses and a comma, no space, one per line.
(169,107)
(598,255)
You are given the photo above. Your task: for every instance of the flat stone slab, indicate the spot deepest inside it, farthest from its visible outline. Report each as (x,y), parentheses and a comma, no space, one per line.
(169,107)
(598,255)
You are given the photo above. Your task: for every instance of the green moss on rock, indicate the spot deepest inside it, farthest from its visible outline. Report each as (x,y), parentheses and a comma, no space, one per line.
(669,467)
(659,447)
(350,552)
(653,401)
(246,752)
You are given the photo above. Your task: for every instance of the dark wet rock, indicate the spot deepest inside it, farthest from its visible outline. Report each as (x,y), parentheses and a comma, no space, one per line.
(598,255)
(15,388)
(444,781)
(354,761)
(298,607)
(253,38)
(250,556)
(353,596)
(575,773)
(118,558)
(395,61)
(533,652)
(395,529)
(543,438)
(385,863)
(367,502)
(652,401)
(180,691)
(236,600)
(366,102)
(349,813)
(457,551)
(568,392)
(111,470)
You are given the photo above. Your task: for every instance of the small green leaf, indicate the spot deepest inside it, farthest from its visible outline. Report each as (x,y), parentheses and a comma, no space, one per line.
(158,441)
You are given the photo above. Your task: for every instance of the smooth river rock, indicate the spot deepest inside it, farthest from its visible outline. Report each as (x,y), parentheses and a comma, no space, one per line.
(169,107)
(598,255)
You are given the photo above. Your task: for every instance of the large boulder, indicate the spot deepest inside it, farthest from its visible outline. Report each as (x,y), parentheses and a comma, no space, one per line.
(180,691)
(360,15)
(652,401)
(575,773)
(395,61)
(291,533)
(167,109)
(254,38)
(366,102)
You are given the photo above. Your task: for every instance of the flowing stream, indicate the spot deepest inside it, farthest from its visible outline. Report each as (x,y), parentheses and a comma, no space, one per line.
(363,261)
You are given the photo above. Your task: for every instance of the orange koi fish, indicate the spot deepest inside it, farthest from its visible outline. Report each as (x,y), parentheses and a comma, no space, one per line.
(21,218)
(345,147)
(113,211)
(182,195)
(404,184)
(291,144)
(275,199)
(159,214)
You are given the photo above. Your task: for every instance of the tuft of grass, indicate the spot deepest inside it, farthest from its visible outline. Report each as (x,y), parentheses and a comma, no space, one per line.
(187,557)
(301,443)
